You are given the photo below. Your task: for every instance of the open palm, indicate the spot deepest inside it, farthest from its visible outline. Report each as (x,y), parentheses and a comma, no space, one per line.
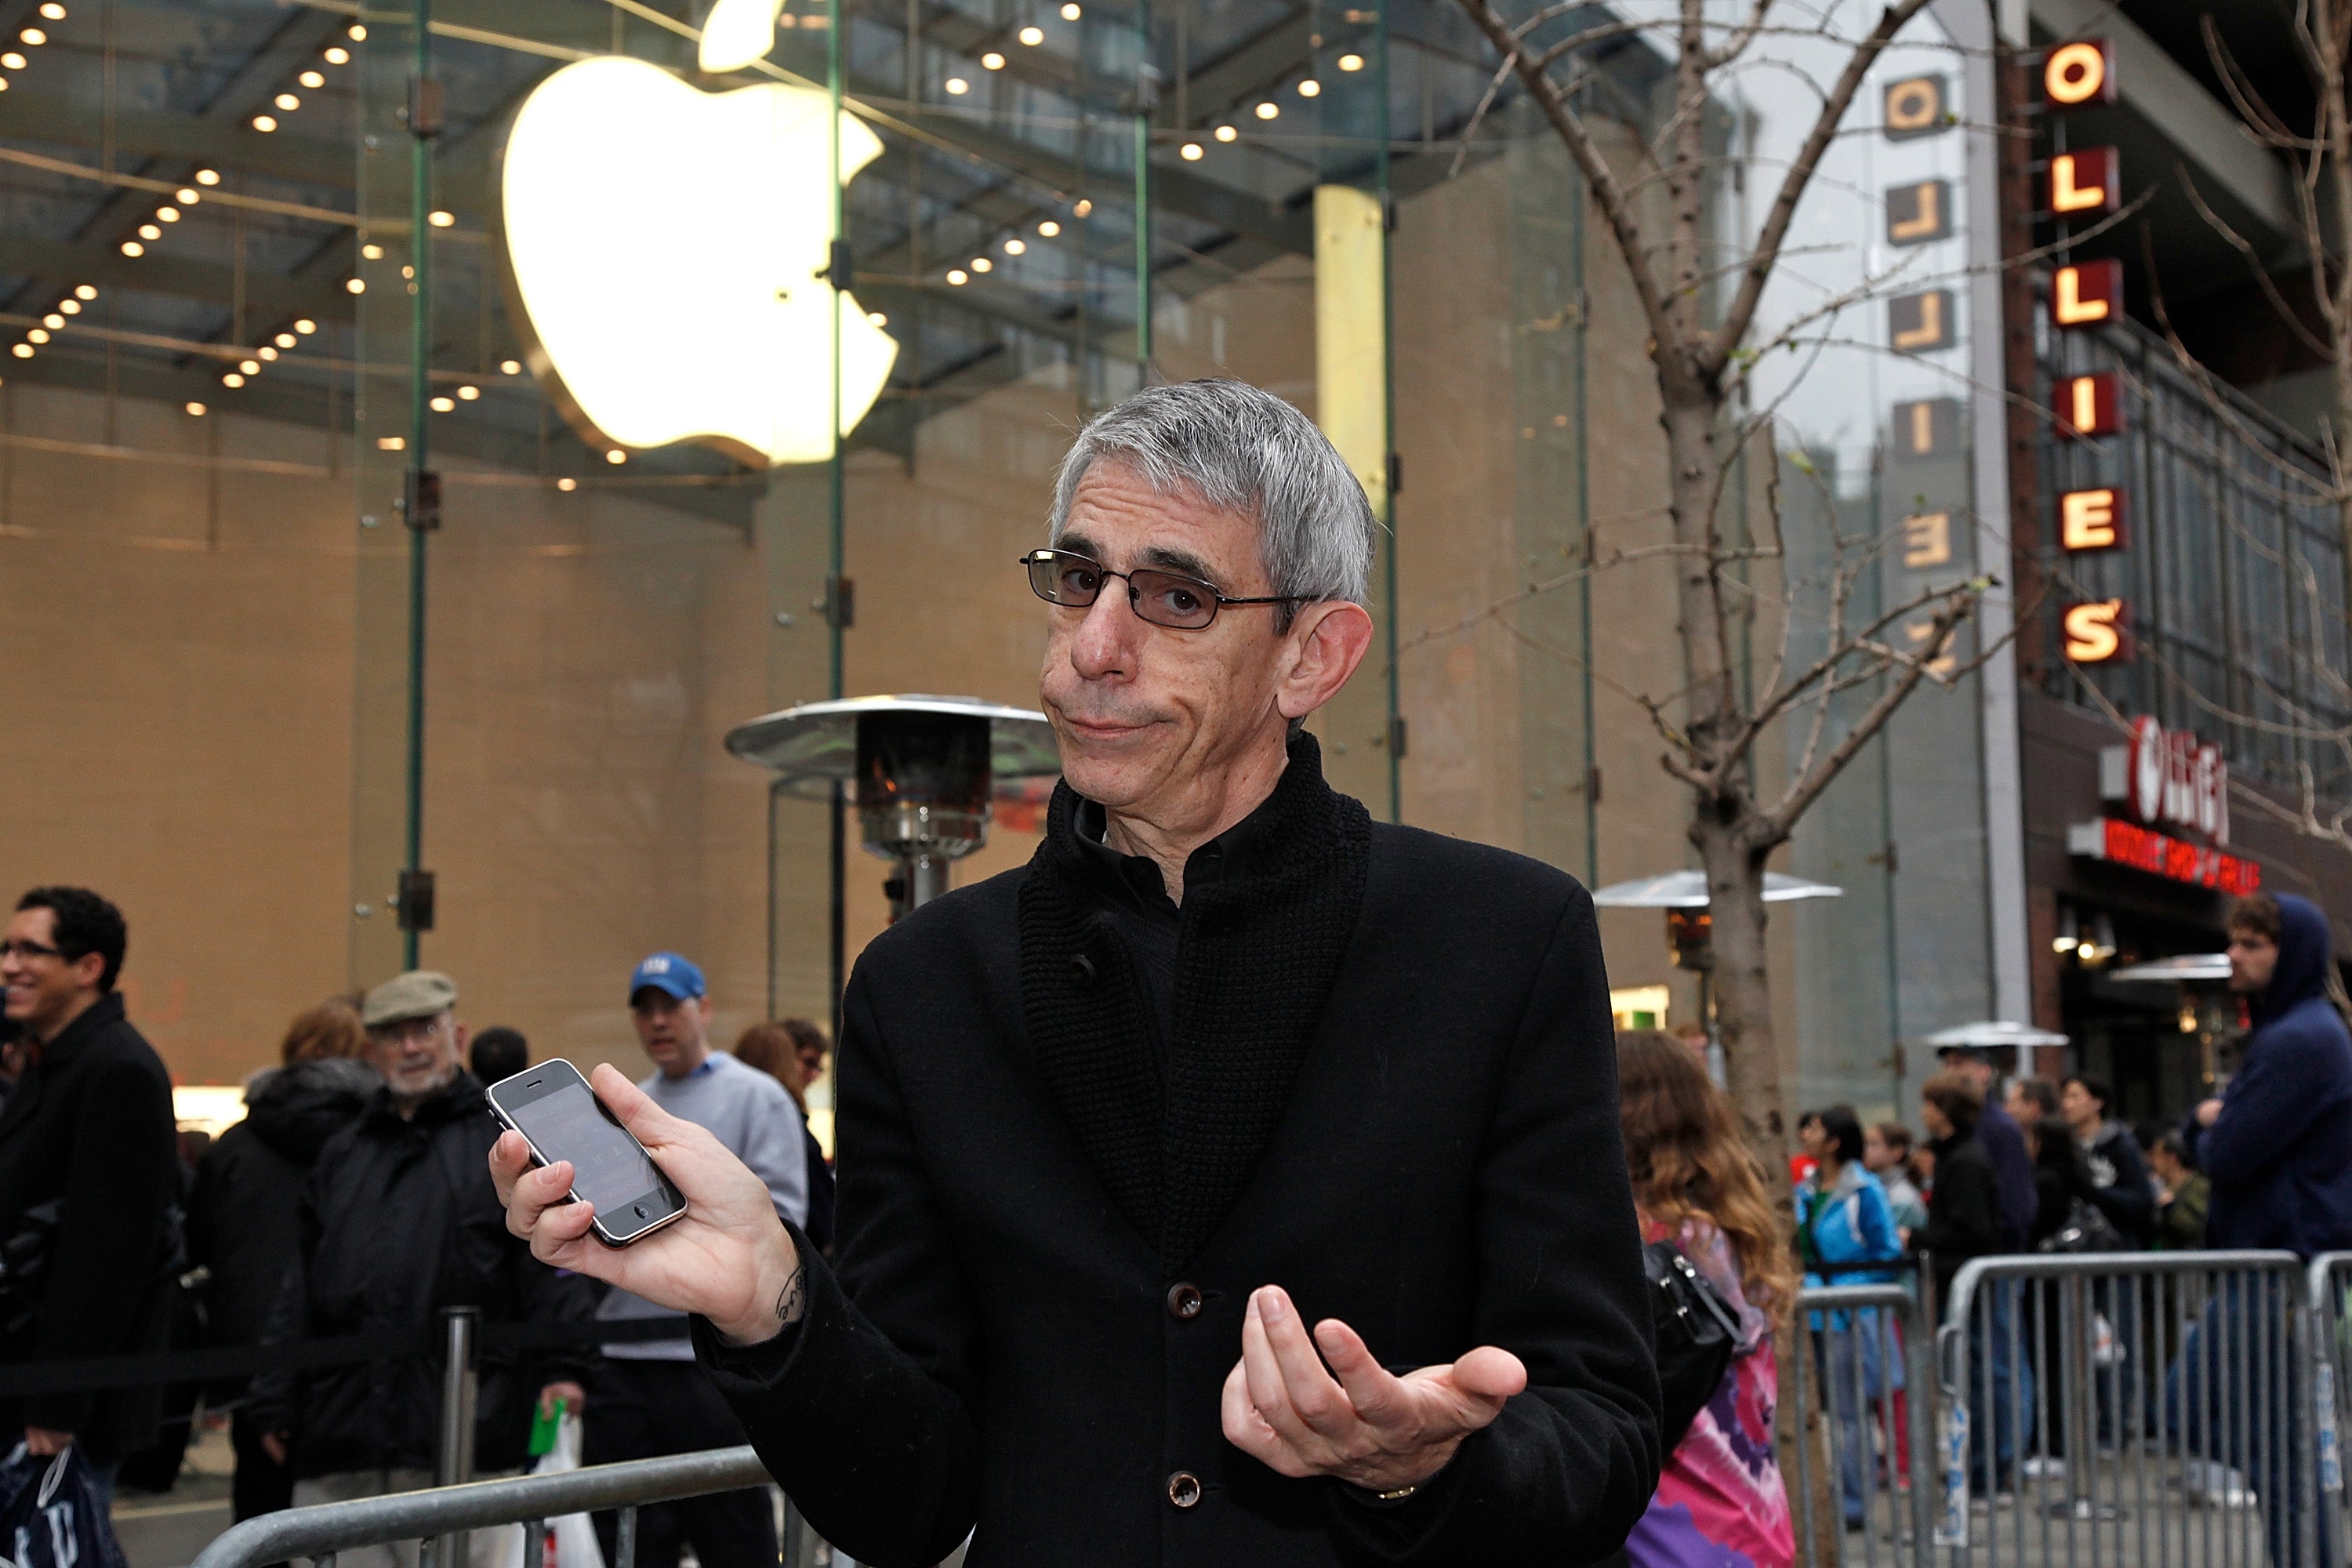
(729,1259)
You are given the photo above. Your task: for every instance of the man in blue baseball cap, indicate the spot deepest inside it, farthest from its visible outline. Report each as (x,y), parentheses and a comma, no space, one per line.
(649,1396)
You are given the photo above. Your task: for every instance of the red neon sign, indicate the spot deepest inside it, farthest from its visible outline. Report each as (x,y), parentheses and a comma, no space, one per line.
(2160,855)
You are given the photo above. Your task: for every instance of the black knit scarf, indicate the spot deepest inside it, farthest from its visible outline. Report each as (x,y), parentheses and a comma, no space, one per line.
(1258,953)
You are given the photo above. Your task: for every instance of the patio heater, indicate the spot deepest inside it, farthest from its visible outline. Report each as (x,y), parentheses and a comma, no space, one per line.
(1689,938)
(922,771)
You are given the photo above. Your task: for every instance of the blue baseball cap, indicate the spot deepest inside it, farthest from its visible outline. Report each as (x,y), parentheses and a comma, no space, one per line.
(668,972)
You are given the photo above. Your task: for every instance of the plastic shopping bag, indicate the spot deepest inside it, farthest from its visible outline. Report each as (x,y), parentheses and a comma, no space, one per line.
(52,1514)
(570,1541)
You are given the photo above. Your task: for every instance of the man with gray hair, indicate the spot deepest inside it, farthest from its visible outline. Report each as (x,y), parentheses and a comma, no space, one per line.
(1238,1183)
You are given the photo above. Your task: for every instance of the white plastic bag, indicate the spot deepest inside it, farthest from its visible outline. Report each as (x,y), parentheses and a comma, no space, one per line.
(570,1541)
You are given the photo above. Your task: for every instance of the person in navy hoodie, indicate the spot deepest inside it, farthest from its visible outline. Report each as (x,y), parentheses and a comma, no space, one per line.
(2277,1145)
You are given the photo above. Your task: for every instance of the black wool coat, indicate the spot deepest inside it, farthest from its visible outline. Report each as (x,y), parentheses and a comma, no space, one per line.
(1391,1091)
(91,1123)
(397,1220)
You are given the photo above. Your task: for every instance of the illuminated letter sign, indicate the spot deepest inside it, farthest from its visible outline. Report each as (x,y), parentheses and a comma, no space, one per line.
(2090,181)
(2088,405)
(2170,776)
(2159,855)
(1928,540)
(1918,322)
(1918,213)
(668,245)
(1914,107)
(2098,632)
(2078,73)
(1928,428)
(2091,520)
(2086,292)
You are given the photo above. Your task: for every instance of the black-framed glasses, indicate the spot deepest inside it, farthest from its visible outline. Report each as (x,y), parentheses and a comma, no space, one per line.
(29,950)
(1164,598)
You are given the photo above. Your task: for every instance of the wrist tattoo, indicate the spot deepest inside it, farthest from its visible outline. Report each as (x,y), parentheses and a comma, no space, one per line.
(793,1299)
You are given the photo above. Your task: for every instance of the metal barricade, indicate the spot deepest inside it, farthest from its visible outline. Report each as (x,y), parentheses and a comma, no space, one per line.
(2129,1408)
(2328,1305)
(319,1532)
(1861,1365)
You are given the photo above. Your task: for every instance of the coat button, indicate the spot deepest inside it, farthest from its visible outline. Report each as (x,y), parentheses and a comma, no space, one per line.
(1184,1490)
(1184,1300)
(1082,969)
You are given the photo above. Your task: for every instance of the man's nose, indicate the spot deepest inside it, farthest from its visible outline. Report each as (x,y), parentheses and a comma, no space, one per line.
(1107,640)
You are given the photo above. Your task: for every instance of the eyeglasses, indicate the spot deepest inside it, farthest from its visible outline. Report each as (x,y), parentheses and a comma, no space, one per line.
(1163,598)
(409,1031)
(29,950)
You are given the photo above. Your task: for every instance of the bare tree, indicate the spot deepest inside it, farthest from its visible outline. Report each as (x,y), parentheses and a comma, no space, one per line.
(1657,210)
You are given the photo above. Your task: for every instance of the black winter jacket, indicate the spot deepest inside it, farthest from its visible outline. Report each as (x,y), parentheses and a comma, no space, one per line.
(397,1220)
(241,1219)
(91,1123)
(1048,1237)
(2125,1197)
(1963,1209)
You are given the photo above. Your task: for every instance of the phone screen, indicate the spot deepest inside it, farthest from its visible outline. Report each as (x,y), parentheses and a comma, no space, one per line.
(554,1107)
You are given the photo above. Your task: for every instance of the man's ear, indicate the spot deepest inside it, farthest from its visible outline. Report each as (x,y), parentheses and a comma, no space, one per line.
(87,969)
(1328,640)
(462,1033)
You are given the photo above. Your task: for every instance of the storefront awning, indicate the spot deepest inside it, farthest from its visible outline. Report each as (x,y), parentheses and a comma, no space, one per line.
(1687,890)
(2180,966)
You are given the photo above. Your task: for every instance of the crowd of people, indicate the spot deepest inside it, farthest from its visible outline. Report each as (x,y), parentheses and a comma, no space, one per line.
(347,1209)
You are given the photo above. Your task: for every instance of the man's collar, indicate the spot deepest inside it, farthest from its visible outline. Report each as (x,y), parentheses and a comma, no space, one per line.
(1229,854)
(60,1046)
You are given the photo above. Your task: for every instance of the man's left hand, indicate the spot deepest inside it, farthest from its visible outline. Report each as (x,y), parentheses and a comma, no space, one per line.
(41,1441)
(567,1396)
(2209,1112)
(1368,1428)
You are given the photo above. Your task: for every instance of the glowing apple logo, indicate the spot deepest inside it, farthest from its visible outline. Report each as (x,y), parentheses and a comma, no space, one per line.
(667,245)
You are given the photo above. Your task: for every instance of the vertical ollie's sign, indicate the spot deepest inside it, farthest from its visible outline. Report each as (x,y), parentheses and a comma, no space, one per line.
(2167,779)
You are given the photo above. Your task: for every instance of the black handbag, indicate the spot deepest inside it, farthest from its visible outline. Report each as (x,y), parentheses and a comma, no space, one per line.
(1697,1336)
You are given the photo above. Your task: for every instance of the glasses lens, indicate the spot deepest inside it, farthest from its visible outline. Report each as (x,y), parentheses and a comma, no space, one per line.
(1060,578)
(1165,599)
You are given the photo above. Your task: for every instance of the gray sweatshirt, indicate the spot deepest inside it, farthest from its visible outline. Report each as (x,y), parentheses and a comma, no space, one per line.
(755,1117)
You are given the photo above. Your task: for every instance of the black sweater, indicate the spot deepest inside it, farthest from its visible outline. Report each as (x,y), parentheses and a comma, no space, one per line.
(1963,1209)
(1420,1140)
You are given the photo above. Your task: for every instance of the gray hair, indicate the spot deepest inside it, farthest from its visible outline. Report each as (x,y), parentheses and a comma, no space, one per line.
(1246,450)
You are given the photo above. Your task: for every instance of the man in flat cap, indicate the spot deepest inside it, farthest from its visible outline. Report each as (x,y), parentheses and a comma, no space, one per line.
(396,1223)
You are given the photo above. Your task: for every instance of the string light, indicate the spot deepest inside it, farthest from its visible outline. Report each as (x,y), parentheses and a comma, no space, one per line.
(1310,87)
(13,60)
(339,56)
(169,215)
(266,353)
(84,291)
(232,379)
(188,195)
(1084,207)
(956,87)
(306,326)
(444,405)
(53,321)
(441,219)
(1049,228)
(356,33)
(285,339)
(1015,247)
(150,231)
(567,484)
(250,367)
(616,456)
(22,350)
(209,176)
(468,393)
(53,11)
(1227,133)
(33,37)
(132,247)
(983,264)
(1190,151)
(509,367)
(37,335)
(371,252)
(196,410)
(1268,110)
(286,101)
(264,123)
(392,443)
(991,61)
(957,278)
(1070,13)
(312,78)
(71,307)
(877,318)
(1033,36)
(354,285)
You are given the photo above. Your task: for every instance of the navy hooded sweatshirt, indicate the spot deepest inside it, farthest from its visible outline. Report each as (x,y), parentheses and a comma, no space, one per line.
(2280,1154)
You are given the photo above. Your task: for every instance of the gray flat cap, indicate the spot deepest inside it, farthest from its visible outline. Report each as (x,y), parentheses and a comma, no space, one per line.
(419,993)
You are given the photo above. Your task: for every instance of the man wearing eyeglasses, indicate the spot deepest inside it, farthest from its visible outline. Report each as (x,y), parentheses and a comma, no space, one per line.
(1240,1182)
(394,1226)
(88,1170)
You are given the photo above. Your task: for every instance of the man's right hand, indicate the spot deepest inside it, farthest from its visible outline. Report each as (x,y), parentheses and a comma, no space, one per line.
(729,1258)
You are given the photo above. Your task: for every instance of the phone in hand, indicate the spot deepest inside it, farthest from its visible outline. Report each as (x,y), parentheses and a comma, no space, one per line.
(562,1119)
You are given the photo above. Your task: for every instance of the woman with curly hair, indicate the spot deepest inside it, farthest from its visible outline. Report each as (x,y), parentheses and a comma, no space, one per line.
(1719,1501)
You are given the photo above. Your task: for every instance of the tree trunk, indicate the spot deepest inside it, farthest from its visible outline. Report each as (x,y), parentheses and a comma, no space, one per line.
(1743,984)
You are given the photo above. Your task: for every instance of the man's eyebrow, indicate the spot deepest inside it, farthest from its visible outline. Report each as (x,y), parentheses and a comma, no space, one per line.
(1078,545)
(1168,559)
